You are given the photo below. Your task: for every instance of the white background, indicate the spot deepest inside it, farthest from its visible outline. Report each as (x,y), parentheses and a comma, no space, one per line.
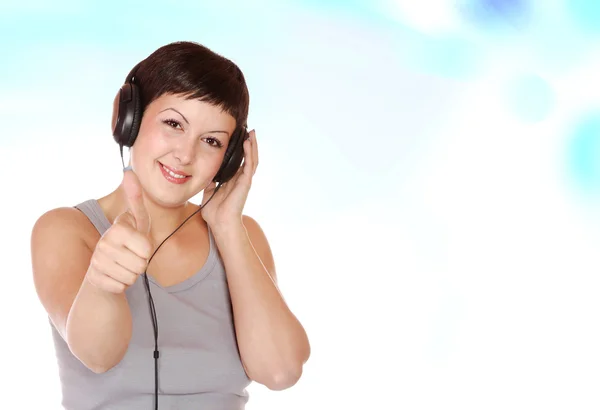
(435,246)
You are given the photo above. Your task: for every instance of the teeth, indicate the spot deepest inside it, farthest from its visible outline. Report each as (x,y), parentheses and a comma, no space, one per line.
(174,175)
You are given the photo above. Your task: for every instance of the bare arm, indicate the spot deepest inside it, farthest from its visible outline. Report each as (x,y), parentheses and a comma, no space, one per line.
(273,344)
(95,324)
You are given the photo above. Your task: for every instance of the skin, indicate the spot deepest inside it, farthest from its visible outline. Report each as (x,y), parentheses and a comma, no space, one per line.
(189,136)
(175,132)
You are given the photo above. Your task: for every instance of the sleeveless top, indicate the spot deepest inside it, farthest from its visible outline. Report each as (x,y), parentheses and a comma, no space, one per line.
(199,365)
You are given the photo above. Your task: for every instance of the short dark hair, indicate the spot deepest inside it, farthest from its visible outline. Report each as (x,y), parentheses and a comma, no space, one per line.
(195,72)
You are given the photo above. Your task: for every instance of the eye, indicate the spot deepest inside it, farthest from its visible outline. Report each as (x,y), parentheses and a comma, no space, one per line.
(214,142)
(172,123)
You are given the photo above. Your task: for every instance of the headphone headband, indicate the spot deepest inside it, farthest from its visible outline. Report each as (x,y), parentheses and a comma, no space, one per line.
(131,76)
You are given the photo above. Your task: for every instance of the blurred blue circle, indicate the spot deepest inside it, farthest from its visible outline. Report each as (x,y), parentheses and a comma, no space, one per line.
(530,98)
(585,13)
(497,14)
(584,153)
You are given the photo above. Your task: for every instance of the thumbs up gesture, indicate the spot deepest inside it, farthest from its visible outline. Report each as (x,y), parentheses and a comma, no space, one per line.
(136,215)
(122,254)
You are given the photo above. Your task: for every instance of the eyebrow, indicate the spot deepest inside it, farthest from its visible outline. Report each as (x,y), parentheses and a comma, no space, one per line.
(183,116)
(187,122)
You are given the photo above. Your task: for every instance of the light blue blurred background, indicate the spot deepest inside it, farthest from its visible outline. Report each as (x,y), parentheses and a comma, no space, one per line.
(429,180)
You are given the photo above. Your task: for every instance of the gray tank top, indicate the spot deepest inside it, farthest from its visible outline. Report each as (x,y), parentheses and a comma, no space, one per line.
(199,365)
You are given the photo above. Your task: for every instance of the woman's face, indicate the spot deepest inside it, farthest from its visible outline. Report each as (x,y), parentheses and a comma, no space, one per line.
(187,137)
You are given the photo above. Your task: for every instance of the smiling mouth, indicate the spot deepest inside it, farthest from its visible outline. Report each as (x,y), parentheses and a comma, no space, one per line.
(172,176)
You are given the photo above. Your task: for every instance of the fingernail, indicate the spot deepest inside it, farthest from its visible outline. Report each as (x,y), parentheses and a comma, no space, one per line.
(127,168)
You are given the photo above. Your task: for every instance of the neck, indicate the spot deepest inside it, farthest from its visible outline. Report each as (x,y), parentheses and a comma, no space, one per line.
(163,220)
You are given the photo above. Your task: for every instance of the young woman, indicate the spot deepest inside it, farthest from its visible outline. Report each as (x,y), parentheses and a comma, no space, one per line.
(155,301)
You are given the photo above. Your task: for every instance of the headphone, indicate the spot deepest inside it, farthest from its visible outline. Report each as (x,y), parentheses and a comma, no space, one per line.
(126,121)
(128,117)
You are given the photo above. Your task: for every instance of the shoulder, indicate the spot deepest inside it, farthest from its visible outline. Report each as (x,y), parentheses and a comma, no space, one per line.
(60,237)
(251,224)
(60,223)
(63,217)
(255,231)
(259,241)
(61,247)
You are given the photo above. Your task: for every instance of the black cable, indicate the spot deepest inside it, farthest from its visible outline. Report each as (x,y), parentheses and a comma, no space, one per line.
(156,353)
(151,301)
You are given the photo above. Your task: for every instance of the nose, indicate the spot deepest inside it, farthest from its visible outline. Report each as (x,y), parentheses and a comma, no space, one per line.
(185,151)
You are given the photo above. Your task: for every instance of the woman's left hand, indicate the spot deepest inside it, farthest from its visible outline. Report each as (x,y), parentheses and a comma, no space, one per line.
(227,204)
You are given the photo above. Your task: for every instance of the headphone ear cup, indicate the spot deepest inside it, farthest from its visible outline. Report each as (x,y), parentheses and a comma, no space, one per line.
(127,115)
(233,157)
(137,114)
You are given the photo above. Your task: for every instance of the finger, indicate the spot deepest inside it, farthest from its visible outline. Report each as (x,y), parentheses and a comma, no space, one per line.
(111,269)
(139,244)
(254,149)
(112,284)
(135,201)
(248,157)
(106,283)
(126,219)
(127,259)
(235,180)
(125,235)
(122,274)
(209,191)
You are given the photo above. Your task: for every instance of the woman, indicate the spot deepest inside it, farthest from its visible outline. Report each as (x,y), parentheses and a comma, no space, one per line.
(206,317)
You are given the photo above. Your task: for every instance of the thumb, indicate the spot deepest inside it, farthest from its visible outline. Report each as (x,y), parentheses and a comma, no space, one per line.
(135,201)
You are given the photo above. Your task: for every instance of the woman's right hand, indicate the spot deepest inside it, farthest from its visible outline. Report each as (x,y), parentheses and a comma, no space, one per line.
(122,253)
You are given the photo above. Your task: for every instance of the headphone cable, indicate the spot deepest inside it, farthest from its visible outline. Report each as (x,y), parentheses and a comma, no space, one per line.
(156,353)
